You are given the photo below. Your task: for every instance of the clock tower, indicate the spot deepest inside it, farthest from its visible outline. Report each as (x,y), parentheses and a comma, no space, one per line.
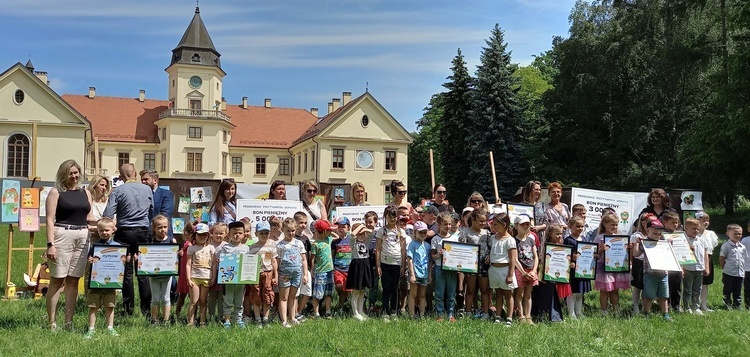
(195,74)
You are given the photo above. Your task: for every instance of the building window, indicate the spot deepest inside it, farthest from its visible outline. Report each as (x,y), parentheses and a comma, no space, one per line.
(224,157)
(123,158)
(236,165)
(338,159)
(93,159)
(225,135)
(163,134)
(312,162)
(390,160)
(195,132)
(365,121)
(299,163)
(194,161)
(18,156)
(163,162)
(260,165)
(388,195)
(149,161)
(284,166)
(305,161)
(195,107)
(19,96)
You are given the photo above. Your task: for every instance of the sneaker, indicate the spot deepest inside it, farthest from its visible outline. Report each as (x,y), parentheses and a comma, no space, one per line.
(295,322)
(708,310)
(668,318)
(508,322)
(89,334)
(386,319)
(300,317)
(112,332)
(359,317)
(241,324)
(394,317)
(327,316)
(53,327)
(286,325)
(452,319)
(154,323)
(698,312)
(227,325)
(440,319)
(259,324)
(316,316)
(689,311)
(477,315)
(497,320)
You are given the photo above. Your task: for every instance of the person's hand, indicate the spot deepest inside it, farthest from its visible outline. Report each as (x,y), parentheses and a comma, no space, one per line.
(191,283)
(413,279)
(380,271)
(509,279)
(401,273)
(52,253)
(91,259)
(487,259)
(275,281)
(179,253)
(706,273)
(304,279)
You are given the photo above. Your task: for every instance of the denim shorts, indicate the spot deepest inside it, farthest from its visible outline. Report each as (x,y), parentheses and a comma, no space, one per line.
(289,278)
(655,286)
(323,285)
(422,281)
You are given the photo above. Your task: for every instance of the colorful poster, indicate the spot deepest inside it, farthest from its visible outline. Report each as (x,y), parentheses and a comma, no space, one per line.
(30,197)
(557,260)
(108,267)
(596,201)
(201,194)
(616,254)
(680,247)
(356,214)
(28,220)
(184,205)
(517,209)
(660,255)
(586,260)
(178,225)
(43,201)
(261,210)
(11,202)
(691,201)
(461,257)
(157,259)
(239,269)
(200,214)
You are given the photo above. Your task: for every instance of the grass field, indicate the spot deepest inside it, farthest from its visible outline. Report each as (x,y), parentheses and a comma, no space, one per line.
(721,333)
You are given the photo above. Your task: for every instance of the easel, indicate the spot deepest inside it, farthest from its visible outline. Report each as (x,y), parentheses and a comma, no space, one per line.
(11,289)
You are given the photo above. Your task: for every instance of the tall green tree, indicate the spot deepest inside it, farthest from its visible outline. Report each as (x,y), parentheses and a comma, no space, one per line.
(426,137)
(496,119)
(455,127)
(534,128)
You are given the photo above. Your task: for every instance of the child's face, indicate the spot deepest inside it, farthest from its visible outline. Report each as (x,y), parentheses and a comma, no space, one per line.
(576,229)
(655,233)
(500,229)
(263,235)
(289,232)
(161,227)
(445,227)
(421,235)
(523,228)
(342,230)
(248,232)
(201,238)
(107,232)
(391,219)
(218,235)
(478,222)
(236,235)
(671,224)
(610,228)
(370,223)
(276,229)
(556,236)
(706,221)
(301,224)
(734,234)
(692,230)
(581,213)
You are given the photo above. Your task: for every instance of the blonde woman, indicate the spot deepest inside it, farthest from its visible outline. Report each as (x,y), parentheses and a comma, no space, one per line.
(357,195)
(317,209)
(69,214)
(99,188)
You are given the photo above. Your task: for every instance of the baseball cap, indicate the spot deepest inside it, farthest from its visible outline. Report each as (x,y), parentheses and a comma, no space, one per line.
(343,221)
(654,223)
(403,218)
(420,226)
(262,226)
(201,228)
(467,209)
(521,219)
(323,225)
(432,210)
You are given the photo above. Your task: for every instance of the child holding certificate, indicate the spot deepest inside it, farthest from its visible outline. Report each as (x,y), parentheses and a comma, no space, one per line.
(608,284)
(578,287)
(527,265)
(200,258)
(693,274)
(160,285)
(655,282)
(502,258)
(98,298)
(445,280)
(261,294)
(474,234)
(233,293)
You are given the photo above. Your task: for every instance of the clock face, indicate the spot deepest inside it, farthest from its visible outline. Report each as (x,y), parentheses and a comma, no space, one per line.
(364,159)
(195,82)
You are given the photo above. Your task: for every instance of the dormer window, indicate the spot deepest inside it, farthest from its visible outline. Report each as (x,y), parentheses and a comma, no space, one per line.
(196,58)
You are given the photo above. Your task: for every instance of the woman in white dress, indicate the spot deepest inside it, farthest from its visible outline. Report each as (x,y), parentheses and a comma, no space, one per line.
(100,187)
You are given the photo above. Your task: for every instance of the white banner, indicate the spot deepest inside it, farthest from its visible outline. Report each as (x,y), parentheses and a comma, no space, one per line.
(595,201)
(260,192)
(262,210)
(356,214)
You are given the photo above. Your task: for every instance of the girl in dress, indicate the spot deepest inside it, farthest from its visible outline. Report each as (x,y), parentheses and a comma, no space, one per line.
(555,236)
(199,273)
(608,284)
(360,274)
(526,267)
(474,233)
(183,288)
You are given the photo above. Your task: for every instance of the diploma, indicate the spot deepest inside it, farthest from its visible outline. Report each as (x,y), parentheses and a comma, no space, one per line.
(108,266)
(461,257)
(616,254)
(681,248)
(157,260)
(585,255)
(557,259)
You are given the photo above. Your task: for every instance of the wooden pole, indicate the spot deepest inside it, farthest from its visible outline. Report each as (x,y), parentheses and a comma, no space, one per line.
(96,155)
(30,269)
(10,253)
(432,170)
(34,146)
(494,178)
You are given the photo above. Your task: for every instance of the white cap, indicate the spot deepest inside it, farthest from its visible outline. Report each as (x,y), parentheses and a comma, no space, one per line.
(521,219)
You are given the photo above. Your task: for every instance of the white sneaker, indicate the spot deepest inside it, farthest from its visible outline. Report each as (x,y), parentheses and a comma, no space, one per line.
(698,312)
(386,318)
(359,317)
(689,311)
(286,325)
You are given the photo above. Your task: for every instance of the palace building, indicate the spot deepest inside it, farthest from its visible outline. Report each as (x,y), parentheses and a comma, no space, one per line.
(195,133)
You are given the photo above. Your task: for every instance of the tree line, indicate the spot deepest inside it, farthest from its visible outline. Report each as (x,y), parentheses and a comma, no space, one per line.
(640,94)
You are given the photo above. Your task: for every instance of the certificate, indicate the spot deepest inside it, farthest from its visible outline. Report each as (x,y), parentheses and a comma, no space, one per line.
(585,255)
(238,269)
(616,254)
(557,260)
(108,267)
(517,209)
(660,255)
(157,259)
(461,257)
(681,247)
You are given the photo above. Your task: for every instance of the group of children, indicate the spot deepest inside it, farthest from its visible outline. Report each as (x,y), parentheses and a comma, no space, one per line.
(406,257)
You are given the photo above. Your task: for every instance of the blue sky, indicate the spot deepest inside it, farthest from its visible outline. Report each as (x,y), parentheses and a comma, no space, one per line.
(299,53)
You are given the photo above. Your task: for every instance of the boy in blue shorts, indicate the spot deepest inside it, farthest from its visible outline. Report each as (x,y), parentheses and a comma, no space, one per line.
(322,261)
(655,282)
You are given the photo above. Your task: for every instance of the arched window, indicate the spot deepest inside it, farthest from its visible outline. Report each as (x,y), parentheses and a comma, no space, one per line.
(18,156)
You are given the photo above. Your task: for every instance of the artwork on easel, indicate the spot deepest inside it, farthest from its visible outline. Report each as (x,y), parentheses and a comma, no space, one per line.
(10,201)
(43,201)
(201,194)
(183,205)
(28,220)
(30,197)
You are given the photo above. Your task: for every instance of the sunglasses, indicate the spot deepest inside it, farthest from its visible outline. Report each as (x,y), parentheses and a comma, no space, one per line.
(477,201)
(312,191)
(441,192)
(401,192)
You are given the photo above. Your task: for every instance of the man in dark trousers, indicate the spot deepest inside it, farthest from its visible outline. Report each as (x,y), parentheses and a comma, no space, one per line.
(163,205)
(132,203)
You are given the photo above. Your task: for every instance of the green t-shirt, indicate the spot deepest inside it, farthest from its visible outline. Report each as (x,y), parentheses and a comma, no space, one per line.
(321,249)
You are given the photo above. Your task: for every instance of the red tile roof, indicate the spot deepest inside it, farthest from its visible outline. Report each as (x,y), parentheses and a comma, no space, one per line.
(129,120)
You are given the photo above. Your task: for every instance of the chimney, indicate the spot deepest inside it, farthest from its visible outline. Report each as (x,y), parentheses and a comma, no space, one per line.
(314,112)
(223,104)
(346,97)
(92,92)
(330,107)
(42,77)
(267,103)
(244,102)
(141,95)
(336,103)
